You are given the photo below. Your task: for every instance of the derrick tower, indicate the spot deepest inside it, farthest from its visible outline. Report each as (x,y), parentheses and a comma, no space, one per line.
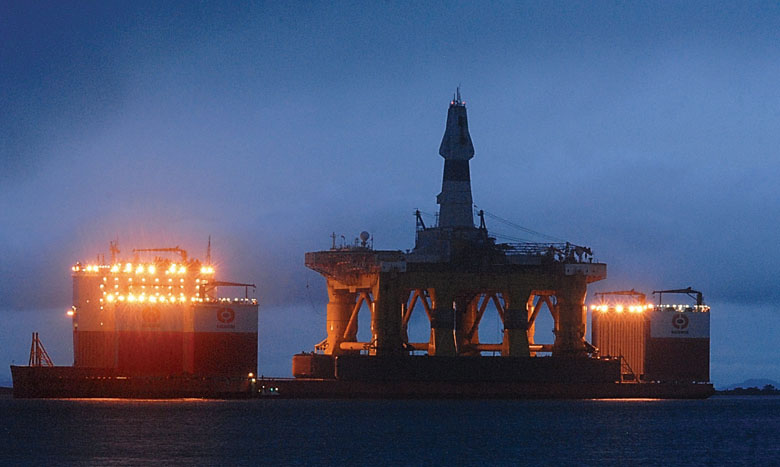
(456,149)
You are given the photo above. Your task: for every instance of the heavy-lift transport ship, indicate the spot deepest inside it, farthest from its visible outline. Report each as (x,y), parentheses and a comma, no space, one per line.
(154,328)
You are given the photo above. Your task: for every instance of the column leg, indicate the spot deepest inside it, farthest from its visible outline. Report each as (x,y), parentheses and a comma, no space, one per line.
(570,326)
(340,305)
(516,324)
(442,325)
(387,317)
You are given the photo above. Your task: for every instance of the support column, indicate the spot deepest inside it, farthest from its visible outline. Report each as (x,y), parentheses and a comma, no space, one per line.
(387,316)
(442,341)
(340,305)
(516,324)
(515,333)
(570,325)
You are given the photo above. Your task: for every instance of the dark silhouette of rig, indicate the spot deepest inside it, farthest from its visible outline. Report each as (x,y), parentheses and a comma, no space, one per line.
(454,271)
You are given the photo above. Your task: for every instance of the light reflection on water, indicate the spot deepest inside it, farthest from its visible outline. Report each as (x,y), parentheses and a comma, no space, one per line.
(628,399)
(721,430)
(96,400)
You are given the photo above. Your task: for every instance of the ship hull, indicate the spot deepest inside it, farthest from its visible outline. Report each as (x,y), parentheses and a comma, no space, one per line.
(70,382)
(336,389)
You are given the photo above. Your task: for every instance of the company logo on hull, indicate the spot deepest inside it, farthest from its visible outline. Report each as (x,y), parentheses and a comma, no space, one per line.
(226,316)
(680,323)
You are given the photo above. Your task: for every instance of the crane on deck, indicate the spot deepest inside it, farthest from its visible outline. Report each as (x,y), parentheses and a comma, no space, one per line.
(209,286)
(689,292)
(630,293)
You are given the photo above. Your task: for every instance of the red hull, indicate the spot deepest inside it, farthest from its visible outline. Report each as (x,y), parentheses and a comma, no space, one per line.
(226,353)
(150,353)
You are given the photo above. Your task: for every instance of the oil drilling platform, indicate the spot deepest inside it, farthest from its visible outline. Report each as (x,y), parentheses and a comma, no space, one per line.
(454,272)
(158,328)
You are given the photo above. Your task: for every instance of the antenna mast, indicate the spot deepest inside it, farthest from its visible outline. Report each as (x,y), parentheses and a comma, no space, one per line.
(114,247)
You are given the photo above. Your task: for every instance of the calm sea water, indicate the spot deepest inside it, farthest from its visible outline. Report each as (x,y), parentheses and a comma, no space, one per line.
(718,431)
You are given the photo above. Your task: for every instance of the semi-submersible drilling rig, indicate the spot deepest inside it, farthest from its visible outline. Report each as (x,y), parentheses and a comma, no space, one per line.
(454,271)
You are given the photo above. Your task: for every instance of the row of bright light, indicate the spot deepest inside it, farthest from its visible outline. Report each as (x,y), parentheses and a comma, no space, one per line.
(151,298)
(641,308)
(703,308)
(155,299)
(141,269)
(621,308)
(162,299)
(156,280)
(89,268)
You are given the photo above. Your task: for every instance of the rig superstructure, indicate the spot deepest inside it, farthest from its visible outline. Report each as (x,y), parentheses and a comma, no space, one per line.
(453,272)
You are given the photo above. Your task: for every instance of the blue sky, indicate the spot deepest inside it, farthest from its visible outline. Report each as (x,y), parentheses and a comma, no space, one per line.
(644,130)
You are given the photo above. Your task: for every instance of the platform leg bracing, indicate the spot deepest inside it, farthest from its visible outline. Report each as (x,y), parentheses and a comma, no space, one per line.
(464,317)
(531,326)
(467,341)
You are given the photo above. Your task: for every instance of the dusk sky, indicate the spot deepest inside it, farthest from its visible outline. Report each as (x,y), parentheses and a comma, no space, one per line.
(647,131)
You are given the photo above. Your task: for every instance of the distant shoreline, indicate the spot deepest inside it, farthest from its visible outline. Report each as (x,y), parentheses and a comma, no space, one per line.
(767,390)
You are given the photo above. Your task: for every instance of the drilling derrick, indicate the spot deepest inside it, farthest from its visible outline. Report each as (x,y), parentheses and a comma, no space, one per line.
(456,149)
(454,272)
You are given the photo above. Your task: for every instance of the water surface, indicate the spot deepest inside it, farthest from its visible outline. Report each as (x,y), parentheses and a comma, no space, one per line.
(721,430)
